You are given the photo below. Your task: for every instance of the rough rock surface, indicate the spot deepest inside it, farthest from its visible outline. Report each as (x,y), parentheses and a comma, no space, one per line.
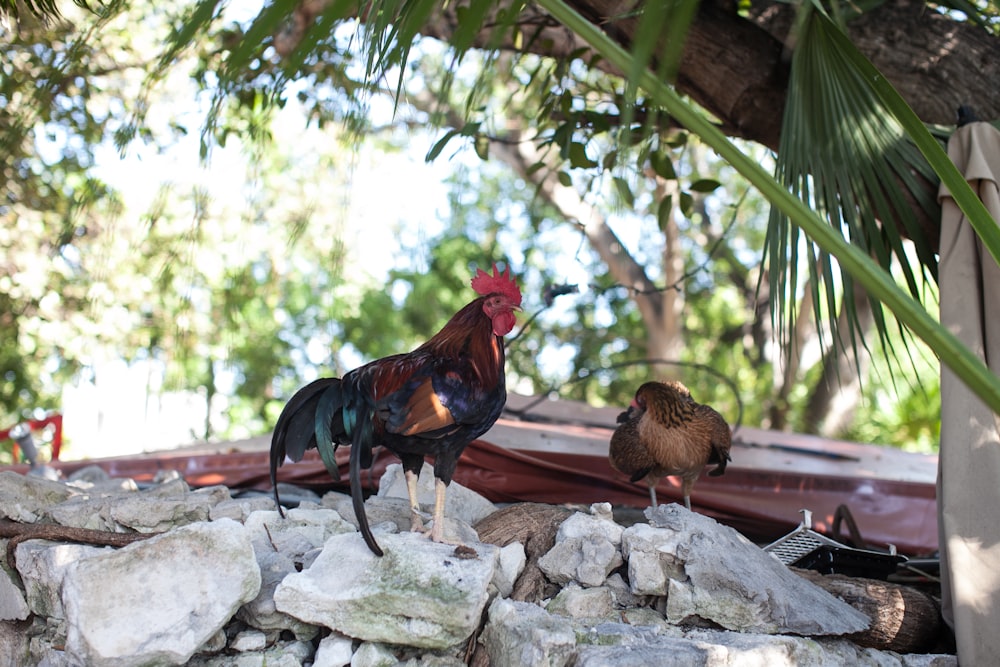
(176,590)
(701,567)
(587,548)
(230,583)
(460,502)
(427,592)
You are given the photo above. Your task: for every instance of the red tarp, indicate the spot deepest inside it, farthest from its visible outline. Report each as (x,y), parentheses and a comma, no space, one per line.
(761,501)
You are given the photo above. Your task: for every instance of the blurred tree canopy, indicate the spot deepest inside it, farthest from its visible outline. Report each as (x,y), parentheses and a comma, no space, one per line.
(577,179)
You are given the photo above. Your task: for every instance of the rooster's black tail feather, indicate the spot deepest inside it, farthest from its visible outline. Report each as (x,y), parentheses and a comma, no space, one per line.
(296,430)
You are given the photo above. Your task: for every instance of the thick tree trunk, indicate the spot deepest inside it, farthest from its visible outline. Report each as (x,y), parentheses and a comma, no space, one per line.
(666,336)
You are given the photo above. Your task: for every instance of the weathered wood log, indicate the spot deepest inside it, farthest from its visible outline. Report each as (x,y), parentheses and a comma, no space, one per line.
(534,525)
(904,619)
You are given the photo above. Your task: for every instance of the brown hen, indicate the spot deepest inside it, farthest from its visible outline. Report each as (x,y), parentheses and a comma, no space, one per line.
(665,432)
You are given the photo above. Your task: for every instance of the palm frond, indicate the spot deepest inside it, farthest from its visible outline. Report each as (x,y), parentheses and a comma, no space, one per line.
(847,157)
(42,9)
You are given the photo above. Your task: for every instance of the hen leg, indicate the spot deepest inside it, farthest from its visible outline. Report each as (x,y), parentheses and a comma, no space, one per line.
(652,494)
(686,486)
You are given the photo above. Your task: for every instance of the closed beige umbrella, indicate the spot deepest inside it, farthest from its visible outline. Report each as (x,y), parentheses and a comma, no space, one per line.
(969,465)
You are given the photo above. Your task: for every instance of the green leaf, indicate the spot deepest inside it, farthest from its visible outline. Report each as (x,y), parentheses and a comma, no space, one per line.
(705,185)
(481,144)
(844,154)
(686,204)
(470,129)
(624,191)
(970,204)
(578,156)
(535,167)
(470,20)
(439,145)
(662,165)
(663,212)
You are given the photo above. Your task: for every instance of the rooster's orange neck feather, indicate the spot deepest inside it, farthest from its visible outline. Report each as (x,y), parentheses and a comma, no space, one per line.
(469,333)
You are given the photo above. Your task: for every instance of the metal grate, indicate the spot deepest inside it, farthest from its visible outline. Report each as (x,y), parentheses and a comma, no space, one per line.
(799,542)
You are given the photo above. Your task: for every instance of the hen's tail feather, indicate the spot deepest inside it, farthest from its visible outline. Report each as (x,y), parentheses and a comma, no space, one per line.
(721,457)
(295,430)
(641,473)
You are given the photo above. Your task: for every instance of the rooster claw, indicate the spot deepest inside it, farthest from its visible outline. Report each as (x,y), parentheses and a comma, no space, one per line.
(417,519)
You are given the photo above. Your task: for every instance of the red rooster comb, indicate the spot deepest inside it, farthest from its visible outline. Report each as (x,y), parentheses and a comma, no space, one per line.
(502,283)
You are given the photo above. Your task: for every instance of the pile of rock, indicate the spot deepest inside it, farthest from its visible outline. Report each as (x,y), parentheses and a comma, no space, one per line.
(222,580)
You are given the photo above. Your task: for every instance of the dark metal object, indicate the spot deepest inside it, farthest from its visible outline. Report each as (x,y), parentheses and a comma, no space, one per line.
(809,550)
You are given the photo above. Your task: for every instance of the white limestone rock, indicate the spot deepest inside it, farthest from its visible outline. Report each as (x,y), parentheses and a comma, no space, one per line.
(335,650)
(461,503)
(712,572)
(239,509)
(578,602)
(510,566)
(520,633)
(420,593)
(283,546)
(28,499)
(13,605)
(373,654)
(137,512)
(586,550)
(157,601)
(43,565)
(284,654)
(295,534)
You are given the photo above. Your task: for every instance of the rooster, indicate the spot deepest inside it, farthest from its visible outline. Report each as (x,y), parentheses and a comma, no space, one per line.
(432,401)
(665,432)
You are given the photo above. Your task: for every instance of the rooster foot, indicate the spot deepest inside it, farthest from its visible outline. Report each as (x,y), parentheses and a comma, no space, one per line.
(417,519)
(462,550)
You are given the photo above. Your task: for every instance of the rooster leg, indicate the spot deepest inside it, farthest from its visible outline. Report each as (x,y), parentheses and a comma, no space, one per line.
(416,521)
(437,530)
